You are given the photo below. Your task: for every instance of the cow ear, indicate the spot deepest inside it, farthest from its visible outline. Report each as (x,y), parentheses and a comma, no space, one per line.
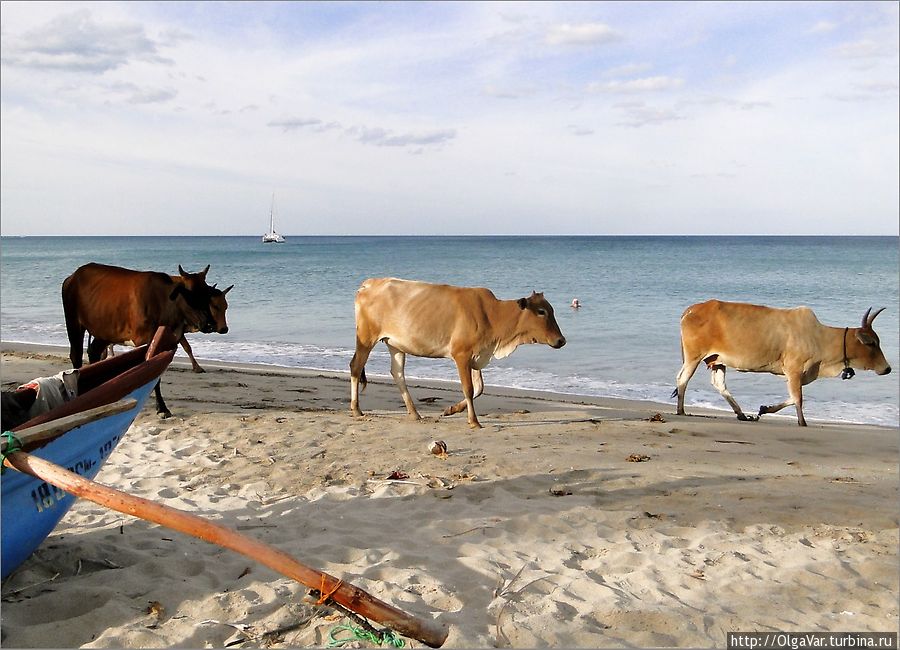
(228,289)
(523,302)
(865,338)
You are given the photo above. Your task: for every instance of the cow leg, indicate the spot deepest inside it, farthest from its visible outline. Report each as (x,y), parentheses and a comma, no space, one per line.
(681,381)
(358,374)
(187,348)
(76,345)
(795,398)
(718,381)
(468,388)
(795,390)
(161,409)
(478,383)
(96,349)
(398,365)
(774,408)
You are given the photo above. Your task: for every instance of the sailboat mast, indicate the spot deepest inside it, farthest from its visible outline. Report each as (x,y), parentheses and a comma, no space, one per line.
(272,215)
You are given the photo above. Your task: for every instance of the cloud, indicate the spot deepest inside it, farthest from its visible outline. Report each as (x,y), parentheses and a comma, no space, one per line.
(867,92)
(574,129)
(583,34)
(627,70)
(134,94)
(151,96)
(864,49)
(294,123)
(376,136)
(724,101)
(384,138)
(633,86)
(822,27)
(491,90)
(639,114)
(76,43)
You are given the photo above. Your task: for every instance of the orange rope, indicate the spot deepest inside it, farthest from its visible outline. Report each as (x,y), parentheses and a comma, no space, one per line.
(323,596)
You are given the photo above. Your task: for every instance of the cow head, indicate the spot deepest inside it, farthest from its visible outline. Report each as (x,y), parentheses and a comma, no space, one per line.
(537,322)
(217,306)
(865,352)
(197,297)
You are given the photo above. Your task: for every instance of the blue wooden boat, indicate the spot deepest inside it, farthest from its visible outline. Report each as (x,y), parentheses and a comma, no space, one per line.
(31,508)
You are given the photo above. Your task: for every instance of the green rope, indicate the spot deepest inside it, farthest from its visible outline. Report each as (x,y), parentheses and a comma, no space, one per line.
(378,638)
(12,445)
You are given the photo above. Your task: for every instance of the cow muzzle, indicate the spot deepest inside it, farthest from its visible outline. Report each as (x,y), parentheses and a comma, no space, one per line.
(223,330)
(559,343)
(886,371)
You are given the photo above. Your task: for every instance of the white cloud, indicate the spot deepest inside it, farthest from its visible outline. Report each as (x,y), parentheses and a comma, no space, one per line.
(638,114)
(632,86)
(627,70)
(822,27)
(385,138)
(864,49)
(582,34)
(76,42)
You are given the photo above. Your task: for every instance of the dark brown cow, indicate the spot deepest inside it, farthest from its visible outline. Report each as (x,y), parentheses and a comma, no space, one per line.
(469,325)
(122,306)
(789,342)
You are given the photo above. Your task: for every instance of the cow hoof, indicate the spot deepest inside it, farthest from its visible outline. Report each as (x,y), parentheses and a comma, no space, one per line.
(198,369)
(413,417)
(475,425)
(748,418)
(163,415)
(356,413)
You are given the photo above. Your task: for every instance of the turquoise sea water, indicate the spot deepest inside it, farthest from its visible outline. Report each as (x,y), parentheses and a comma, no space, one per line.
(292,304)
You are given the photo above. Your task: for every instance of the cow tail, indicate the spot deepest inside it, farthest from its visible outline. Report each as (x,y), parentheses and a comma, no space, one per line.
(362,379)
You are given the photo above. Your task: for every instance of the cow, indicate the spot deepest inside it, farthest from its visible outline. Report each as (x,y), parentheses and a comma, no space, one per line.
(469,325)
(788,342)
(121,306)
(218,304)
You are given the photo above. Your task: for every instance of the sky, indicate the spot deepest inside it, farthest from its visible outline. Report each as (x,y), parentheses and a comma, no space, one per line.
(182,118)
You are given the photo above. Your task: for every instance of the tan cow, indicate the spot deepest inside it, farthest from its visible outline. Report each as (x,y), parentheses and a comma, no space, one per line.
(469,325)
(789,342)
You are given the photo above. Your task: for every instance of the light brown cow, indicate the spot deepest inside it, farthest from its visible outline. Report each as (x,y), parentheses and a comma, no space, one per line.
(469,325)
(789,342)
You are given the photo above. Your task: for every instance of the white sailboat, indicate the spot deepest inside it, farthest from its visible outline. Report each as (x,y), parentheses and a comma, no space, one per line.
(272,237)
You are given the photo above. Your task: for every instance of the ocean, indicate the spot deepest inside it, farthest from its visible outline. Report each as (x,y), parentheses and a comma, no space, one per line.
(292,303)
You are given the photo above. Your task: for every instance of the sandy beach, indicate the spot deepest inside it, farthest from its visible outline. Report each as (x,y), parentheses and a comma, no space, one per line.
(565,522)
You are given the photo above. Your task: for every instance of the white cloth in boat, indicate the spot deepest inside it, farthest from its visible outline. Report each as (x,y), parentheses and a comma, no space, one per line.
(52,391)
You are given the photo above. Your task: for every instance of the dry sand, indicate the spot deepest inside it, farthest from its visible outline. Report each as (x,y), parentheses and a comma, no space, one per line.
(534,531)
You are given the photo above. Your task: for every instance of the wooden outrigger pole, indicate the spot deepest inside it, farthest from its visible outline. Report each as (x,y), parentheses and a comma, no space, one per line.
(430,632)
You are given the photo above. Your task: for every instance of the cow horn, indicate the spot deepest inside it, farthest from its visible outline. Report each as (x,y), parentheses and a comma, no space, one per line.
(214,286)
(181,270)
(205,271)
(865,320)
(228,289)
(870,319)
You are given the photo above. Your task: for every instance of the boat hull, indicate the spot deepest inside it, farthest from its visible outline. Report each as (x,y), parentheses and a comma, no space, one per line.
(31,508)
